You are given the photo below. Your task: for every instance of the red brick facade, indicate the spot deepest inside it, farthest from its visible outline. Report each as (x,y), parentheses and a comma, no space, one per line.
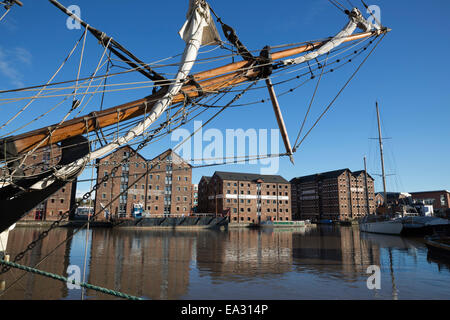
(246,198)
(161,186)
(61,201)
(338,195)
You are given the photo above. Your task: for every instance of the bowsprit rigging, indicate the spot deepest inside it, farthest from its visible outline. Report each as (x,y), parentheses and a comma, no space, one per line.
(7,5)
(174,98)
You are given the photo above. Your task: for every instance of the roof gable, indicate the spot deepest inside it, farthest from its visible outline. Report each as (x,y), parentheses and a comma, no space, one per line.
(238,176)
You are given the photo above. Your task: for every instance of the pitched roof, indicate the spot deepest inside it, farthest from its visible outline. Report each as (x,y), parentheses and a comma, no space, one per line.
(117,150)
(207,179)
(327,175)
(320,176)
(238,176)
(175,156)
(436,191)
(357,173)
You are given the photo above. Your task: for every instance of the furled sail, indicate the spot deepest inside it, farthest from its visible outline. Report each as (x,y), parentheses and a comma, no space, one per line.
(356,21)
(202,20)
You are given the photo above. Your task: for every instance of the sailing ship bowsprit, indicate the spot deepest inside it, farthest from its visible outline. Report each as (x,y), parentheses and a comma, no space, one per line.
(20,192)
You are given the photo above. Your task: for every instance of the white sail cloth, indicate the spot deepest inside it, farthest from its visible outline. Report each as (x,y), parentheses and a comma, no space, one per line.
(199,20)
(210,33)
(356,20)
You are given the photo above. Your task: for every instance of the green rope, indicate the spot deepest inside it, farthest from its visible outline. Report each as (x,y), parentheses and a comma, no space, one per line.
(64,279)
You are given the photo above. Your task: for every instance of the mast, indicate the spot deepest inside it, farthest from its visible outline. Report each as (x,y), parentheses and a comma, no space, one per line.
(367,186)
(380,138)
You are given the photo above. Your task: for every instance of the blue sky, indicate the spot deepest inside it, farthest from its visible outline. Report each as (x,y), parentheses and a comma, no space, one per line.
(407,74)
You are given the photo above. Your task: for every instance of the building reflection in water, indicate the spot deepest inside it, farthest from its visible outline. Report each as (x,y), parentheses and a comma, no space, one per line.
(32,286)
(160,264)
(242,254)
(334,252)
(152,264)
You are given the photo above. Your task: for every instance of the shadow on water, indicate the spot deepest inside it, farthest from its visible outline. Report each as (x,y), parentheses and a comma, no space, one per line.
(326,262)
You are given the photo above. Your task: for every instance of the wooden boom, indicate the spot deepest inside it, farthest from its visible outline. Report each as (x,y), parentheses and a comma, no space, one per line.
(209,81)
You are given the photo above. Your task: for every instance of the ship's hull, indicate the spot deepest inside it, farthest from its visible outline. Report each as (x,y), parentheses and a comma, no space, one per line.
(18,198)
(382,227)
(421,226)
(439,245)
(4,240)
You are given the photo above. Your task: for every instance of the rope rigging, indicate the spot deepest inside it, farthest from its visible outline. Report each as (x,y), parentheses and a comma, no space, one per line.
(316,66)
(66,280)
(7,4)
(147,140)
(149,127)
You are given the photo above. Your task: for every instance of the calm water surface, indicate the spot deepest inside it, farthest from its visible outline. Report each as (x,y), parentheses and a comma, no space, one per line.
(306,263)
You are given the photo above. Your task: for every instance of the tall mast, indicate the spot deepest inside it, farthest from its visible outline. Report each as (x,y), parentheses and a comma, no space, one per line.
(367,186)
(380,138)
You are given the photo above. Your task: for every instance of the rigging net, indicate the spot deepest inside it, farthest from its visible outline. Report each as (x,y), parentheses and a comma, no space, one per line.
(190,105)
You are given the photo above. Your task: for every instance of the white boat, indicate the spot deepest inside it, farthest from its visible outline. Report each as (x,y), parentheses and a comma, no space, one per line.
(381,225)
(423,225)
(377,223)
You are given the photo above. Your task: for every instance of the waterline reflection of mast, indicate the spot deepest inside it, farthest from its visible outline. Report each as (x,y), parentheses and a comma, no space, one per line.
(391,267)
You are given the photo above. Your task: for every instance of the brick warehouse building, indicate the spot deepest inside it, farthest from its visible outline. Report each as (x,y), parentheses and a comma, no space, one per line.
(165,189)
(203,193)
(194,198)
(61,201)
(246,197)
(337,195)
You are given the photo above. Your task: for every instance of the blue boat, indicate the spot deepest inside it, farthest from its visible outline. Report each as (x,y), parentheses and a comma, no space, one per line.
(138,210)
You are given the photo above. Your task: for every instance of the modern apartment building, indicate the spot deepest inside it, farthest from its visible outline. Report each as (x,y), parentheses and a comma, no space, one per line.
(339,195)
(246,197)
(161,186)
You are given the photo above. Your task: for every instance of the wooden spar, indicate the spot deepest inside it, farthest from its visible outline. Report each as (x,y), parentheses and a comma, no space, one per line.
(280,120)
(275,56)
(210,81)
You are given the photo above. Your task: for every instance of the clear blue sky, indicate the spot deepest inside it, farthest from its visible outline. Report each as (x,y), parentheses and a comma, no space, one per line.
(408,74)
